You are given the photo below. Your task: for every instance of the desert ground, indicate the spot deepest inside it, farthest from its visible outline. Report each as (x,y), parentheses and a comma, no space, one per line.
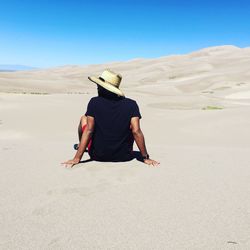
(195,117)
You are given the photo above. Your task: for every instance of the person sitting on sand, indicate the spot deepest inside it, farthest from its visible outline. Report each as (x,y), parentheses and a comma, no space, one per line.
(111,125)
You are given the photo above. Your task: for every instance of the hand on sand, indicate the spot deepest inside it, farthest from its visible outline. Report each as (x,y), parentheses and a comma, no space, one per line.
(70,163)
(152,162)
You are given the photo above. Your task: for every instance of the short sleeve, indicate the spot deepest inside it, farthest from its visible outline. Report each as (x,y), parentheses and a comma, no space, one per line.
(135,111)
(90,109)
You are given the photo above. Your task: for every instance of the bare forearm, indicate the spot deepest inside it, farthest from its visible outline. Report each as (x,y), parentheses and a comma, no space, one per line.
(140,141)
(86,136)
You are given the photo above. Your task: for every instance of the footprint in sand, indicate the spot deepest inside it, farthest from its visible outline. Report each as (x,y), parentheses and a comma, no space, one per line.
(82,191)
(5,148)
(41,211)
(86,191)
(232,242)
(240,83)
(54,241)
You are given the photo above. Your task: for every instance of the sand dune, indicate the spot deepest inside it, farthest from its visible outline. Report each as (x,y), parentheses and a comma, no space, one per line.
(205,70)
(195,118)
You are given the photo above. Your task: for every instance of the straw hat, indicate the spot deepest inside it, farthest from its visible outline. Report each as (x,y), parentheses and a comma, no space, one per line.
(109,80)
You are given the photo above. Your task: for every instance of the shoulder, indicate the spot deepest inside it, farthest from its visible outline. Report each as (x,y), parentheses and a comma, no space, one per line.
(93,103)
(133,108)
(94,100)
(130,101)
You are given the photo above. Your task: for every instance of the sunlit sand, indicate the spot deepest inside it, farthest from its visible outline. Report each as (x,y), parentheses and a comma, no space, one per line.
(195,118)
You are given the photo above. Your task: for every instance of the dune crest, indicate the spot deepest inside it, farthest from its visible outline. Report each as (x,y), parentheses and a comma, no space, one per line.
(220,69)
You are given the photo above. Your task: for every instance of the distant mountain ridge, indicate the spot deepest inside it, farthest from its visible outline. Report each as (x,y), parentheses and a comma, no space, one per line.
(14,67)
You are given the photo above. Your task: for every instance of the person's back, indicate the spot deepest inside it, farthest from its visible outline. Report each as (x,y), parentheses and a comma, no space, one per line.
(110,125)
(112,138)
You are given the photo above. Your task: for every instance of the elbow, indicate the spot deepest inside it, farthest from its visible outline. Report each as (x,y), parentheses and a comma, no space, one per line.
(137,132)
(89,132)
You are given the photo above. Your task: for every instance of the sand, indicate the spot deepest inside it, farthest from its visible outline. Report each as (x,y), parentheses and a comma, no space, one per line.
(197,199)
(240,95)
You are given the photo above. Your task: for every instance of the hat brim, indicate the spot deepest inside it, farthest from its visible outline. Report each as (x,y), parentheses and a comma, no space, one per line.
(106,85)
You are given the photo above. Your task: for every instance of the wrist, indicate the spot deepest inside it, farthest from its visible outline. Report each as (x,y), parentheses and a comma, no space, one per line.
(76,159)
(145,157)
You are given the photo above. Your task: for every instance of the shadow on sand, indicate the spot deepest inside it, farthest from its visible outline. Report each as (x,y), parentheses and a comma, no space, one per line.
(135,155)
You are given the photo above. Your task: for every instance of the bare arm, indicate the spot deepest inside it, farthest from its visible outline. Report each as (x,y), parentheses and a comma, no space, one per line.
(140,140)
(86,136)
(138,135)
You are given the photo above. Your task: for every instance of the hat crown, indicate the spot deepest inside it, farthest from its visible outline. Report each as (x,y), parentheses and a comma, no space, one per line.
(111,77)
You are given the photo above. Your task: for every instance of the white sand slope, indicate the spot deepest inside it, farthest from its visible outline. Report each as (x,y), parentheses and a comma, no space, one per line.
(211,74)
(239,95)
(197,199)
(210,69)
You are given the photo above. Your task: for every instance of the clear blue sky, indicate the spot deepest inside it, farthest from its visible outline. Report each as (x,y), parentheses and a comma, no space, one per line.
(50,33)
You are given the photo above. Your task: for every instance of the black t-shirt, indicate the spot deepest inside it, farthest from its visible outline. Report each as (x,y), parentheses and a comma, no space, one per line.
(111,140)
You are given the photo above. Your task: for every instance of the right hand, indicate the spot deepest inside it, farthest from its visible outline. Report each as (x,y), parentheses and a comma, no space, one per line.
(151,162)
(70,163)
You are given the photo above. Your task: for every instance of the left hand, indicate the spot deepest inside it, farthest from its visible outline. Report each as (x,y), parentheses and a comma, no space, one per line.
(70,163)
